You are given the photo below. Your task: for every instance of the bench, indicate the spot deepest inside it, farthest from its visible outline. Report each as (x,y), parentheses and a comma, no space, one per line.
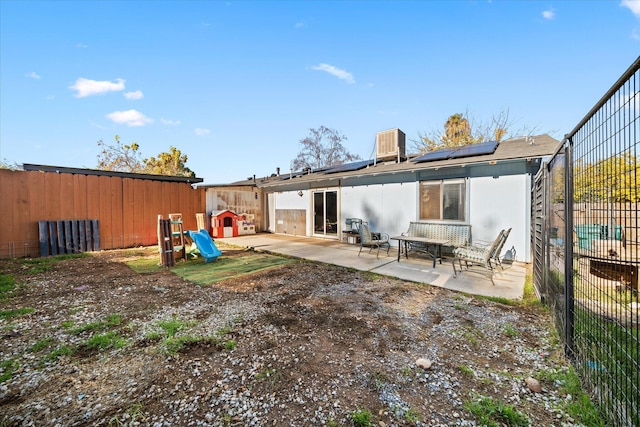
(456,234)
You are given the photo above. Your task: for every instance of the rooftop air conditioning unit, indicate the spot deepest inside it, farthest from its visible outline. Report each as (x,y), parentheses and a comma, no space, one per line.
(390,145)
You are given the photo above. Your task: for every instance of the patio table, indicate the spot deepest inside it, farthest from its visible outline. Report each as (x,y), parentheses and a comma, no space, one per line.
(426,241)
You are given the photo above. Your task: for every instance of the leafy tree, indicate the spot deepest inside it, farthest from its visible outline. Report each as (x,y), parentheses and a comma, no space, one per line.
(459,131)
(614,179)
(126,158)
(322,148)
(171,163)
(119,157)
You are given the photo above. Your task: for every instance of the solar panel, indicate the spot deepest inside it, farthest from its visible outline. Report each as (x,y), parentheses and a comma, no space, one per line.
(435,155)
(348,167)
(478,149)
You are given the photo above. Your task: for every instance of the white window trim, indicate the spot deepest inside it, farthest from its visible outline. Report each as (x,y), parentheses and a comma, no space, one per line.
(467,201)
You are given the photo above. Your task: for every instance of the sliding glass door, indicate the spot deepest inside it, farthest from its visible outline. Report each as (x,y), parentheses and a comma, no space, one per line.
(325,213)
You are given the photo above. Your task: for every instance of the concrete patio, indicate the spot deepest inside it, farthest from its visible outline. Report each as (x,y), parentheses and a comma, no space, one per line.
(509,283)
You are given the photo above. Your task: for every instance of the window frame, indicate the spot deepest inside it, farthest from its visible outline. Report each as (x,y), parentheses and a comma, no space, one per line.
(441,183)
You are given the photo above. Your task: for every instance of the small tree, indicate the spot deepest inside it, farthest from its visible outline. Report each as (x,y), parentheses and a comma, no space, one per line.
(171,163)
(322,148)
(118,157)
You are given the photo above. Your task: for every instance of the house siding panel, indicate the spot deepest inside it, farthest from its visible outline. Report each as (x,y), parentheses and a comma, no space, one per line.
(498,203)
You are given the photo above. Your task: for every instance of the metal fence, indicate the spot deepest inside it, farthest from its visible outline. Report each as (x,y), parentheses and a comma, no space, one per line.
(585,231)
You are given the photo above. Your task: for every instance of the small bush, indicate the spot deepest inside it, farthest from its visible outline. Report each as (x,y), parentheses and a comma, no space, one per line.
(172,326)
(361,418)
(105,341)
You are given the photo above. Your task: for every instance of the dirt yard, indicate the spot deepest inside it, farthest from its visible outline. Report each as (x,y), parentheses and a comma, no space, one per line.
(91,342)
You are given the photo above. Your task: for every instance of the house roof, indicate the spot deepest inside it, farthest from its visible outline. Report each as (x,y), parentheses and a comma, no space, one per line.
(510,150)
(99,172)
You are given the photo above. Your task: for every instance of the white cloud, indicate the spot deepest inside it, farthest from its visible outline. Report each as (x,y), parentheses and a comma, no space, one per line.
(170,122)
(134,95)
(549,14)
(33,75)
(130,118)
(299,24)
(337,72)
(87,87)
(202,132)
(631,101)
(632,5)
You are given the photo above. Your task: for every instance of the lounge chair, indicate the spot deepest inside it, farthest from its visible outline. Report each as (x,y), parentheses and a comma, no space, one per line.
(484,256)
(372,240)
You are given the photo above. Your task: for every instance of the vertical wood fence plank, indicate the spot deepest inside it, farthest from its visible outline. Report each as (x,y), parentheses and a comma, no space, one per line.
(60,233)
(128,212)
(105,212)
(53,237)
(43,231)
(75,236)
(68,239)
(87,233)
(83,236)
(93,206)
(139,211)
(117,230)
(95,235)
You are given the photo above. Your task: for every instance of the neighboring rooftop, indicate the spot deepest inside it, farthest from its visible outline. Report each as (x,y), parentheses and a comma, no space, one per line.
(491,153)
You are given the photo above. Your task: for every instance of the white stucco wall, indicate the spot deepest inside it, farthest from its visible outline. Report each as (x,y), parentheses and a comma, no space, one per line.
(291,200)
(493,204)
(387,208)
(500,203)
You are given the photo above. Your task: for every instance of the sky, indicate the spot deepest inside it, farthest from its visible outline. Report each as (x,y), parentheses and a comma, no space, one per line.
(236,85)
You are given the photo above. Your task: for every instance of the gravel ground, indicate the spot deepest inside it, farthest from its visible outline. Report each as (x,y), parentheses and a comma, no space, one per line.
(300,344)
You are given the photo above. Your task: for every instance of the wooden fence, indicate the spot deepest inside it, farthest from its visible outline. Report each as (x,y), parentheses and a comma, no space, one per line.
(127,208)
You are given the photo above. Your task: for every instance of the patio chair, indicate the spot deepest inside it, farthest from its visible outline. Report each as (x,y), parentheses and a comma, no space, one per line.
(483,256)
(372,240)
(498,251)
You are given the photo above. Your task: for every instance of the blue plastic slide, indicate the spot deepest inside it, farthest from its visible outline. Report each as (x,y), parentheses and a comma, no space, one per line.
(205,245)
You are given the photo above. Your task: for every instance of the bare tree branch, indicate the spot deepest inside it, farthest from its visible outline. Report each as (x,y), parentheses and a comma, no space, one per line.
(322,148)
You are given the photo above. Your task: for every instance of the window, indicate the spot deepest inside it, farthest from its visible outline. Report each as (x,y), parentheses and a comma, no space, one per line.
(443,200)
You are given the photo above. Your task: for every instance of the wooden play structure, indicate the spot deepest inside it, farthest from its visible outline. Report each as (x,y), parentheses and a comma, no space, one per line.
(171,242)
